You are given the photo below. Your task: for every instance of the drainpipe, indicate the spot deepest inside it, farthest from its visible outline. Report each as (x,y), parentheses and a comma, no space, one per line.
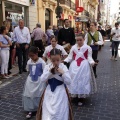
(38,10)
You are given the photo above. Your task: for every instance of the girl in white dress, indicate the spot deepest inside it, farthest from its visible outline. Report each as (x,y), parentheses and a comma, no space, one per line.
(83,81)
(34,88)
(55,102)
(54,44)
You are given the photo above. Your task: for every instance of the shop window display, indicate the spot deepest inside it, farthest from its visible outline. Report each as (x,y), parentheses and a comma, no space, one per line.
(14,13)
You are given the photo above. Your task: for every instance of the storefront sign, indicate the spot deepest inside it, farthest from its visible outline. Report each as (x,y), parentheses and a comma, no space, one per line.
(79,9)
(77,19)
(80,19)
(22,2)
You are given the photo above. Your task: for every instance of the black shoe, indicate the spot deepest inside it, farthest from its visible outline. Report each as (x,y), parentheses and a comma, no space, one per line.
(20,72)
(9,72)
(75,100)
(95,76)
(24,70)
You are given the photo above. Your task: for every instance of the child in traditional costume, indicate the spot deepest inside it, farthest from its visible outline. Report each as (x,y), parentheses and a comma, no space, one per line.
(54,44)
(83,81)
(33,87)
(55,102)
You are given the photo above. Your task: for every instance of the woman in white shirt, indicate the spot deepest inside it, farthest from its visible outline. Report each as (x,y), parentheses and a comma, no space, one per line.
(5,43)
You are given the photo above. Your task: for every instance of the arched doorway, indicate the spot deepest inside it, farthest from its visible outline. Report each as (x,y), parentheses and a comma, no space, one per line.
(47,18)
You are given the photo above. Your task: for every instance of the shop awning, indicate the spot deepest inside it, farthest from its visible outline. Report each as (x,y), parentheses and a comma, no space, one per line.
(21,2)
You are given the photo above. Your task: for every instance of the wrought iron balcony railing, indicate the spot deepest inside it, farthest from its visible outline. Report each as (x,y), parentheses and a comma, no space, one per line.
(65,2)
(68,3)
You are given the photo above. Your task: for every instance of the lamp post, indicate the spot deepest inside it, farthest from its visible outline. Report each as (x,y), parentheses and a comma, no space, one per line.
(58,2)
(58,13)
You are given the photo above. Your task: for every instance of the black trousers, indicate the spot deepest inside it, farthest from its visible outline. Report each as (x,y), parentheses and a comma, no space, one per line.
(22,56)
(115,45)
(39,44)
(100,46)
(94,56)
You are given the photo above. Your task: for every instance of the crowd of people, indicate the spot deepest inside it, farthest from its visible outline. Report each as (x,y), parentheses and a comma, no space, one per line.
(61,66)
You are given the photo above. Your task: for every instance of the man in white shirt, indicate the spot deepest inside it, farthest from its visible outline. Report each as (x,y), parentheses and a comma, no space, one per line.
(115,33)
(22,38)
(94,39)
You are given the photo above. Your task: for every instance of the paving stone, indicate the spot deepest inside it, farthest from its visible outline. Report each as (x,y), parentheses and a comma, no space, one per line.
(104,105)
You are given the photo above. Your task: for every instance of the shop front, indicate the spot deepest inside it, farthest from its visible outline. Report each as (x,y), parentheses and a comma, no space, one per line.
(14,13)
(14,10)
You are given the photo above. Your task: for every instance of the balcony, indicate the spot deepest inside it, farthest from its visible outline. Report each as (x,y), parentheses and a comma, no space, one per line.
(50,1)
(45,0)
(93,2)
(72,5)
(68,4)
(65,2)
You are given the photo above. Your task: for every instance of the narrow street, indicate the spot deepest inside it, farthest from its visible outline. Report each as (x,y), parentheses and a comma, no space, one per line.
(104,105)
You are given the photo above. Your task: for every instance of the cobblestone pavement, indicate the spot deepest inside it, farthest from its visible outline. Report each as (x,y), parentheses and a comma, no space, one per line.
(105,105)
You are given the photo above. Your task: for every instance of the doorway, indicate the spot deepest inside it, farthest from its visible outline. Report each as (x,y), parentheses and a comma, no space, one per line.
(47,18)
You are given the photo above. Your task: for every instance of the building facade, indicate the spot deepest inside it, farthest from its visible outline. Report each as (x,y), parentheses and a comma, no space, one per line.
(118,19)
(47,14)
(88,14)
(115,12)
(104,11)
(13,10)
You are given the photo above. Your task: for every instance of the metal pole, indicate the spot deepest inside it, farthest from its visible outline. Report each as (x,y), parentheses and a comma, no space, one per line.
(58,1)
(58,19)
